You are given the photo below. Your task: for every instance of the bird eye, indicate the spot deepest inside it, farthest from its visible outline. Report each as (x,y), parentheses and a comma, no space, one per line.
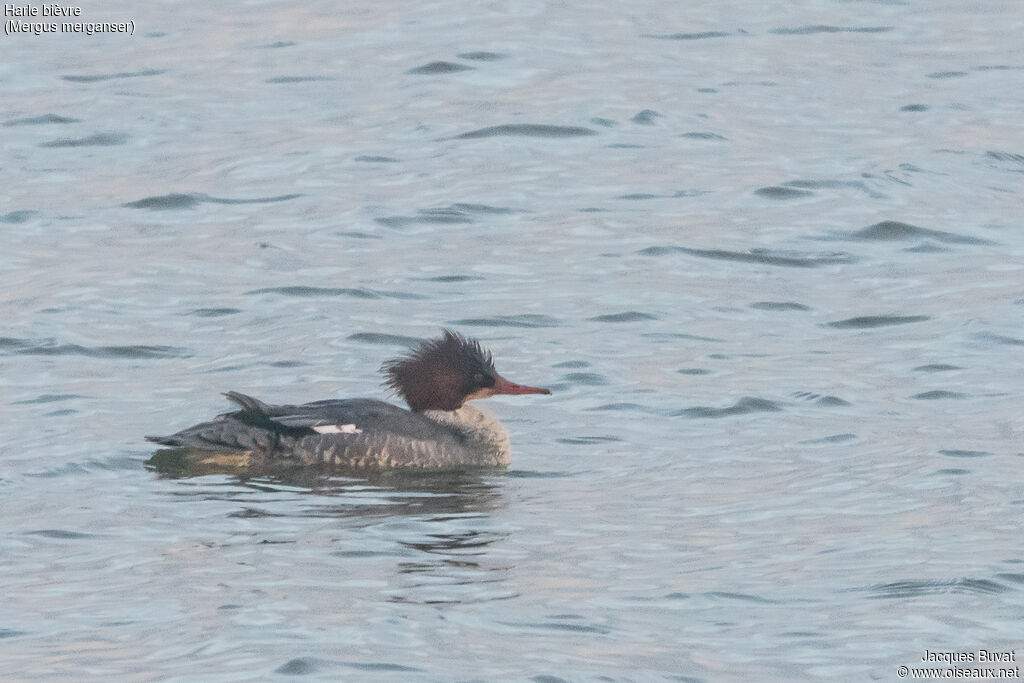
(478,378)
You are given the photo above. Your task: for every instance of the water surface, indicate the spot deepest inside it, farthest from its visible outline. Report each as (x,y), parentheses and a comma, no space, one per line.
(769,263)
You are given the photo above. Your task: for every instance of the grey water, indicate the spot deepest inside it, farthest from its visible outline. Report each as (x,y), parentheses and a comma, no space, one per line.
(769,259)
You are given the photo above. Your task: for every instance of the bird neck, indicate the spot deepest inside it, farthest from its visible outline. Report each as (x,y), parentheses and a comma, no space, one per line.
(483,433)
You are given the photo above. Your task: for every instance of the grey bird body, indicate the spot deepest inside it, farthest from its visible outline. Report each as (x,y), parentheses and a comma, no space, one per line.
(439,432)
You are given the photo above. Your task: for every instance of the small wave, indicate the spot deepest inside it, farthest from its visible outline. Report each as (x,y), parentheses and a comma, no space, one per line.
(481,56)
(50,347)
(18,216)
(1005,161)
(937,367)
(646,117)
(745,597)
(297,79)
(301,666)
(524,320)
(920,588)
(701,135)
(173,200)
(938,395)
(49,398)
(828,401)
(835,185)
(747,404)
(893,231)
(1006,156)
(178,200)
(213,312)
(640,196)
(866,322)
(354,292)
(999,339)
(383,339)
(532,130)
(624,317)
(535,474)
(781,192)
(955,453)
(359,235)
(834,438)
(451,278)
(59,533)
(375,159)
(768,257)
(779,306)
(559,626)
(435,68)
(41,120)
(824,28)
(484,208)
(109,77)
(430,216)
(688,36)
(622,406)
(300,291)
(586,378)
(587,440)
(95,140)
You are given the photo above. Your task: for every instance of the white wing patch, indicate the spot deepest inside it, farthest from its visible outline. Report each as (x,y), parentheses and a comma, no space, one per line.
(337,429)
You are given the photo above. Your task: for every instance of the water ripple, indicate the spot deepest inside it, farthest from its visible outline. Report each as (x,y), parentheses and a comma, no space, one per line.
(937,395)
(94,140)
(176,200)
(920,588)
(937,367)
(435,68)
(213,312)
(779,306)
(17,216)
(687,36)
(781,192)
(747,404)
(865,322)
(524,320)
(585,378)
(891,231)
(296,79)
(824,28)
(481,56)
(41,120)
(108,77)
(50,347)
(384,339)
(533,130)
(49,398)
(301,666)
(354,292)
(375,159)
(625,317)
(768,257)
(646,117)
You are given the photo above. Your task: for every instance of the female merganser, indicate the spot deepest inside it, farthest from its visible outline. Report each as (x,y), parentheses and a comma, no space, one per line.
(439,432)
